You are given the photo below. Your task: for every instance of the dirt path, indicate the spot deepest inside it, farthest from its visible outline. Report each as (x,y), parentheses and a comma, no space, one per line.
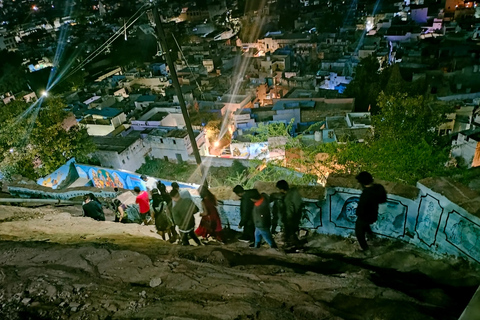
(55,265)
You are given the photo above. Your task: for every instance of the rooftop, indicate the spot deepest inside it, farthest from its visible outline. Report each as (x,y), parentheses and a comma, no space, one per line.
(107,143)
(105,112)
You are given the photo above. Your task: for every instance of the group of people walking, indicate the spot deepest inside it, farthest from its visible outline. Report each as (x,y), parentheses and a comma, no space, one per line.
(172,212)
(260,213)
(259,219)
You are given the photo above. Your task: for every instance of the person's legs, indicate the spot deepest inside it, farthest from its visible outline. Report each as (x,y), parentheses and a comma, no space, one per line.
(194,237)
(184,236)
(161,234)
(361,228)
(288,234)
(369,232)
(174,234)
(249,232)
(258,237)
(267,235)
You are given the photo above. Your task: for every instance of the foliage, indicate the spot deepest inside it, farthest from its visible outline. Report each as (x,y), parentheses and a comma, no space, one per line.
(269,172)
(407,118)
(12,73)
(404,148)
(213,129)
(197,118)
(37,142)
(369,82)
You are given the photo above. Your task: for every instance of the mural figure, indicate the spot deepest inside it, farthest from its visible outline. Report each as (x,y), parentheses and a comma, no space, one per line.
(347,216)
(117,181)
(391,219)
(311,215)
(464,235)
(427,221)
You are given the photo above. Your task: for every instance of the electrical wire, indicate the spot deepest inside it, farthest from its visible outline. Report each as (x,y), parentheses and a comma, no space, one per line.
(188,66)
(109,41)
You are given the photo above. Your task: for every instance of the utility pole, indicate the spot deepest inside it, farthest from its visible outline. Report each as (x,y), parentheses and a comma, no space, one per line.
(162,39)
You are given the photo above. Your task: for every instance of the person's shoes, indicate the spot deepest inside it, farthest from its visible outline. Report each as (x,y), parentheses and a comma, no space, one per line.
(243,239)
(251,245)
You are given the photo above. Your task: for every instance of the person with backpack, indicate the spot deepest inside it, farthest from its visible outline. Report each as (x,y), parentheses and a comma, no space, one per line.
(162,223)
(367,210)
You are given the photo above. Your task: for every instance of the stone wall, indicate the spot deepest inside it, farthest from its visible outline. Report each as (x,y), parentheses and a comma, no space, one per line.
(437,215)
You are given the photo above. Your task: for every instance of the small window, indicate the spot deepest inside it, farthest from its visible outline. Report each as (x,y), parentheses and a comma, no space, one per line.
(161,140)
(123,161)
(174,142)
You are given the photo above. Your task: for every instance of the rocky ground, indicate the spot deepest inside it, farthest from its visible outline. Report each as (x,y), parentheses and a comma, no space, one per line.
(55,264)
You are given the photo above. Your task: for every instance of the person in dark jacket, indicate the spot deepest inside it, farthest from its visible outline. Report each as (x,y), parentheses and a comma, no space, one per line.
(246,208)
(278,210)
(293,212)
(367,211)
(182,214)
(166,197)
(162,223)
(92,208)
(262,219)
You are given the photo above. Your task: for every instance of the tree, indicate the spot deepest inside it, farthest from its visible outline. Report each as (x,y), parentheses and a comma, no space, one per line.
(405,146)
(366,86)
(36,143)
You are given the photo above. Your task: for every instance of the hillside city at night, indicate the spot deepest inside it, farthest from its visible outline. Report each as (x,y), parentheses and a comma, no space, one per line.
(240,159)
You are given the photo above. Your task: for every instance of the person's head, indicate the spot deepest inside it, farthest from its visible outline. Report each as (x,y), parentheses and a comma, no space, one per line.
(175,186)
(238,190)
(136,190)
(155,191)
(115,189)
(116,203)
(91,196)
(143,177)
(255,196)
(86,198)
(162,188)
(282,186)
(175,195)
(364,178)
(206,194)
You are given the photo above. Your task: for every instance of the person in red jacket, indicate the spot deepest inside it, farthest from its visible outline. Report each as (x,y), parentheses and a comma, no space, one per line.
(143,202)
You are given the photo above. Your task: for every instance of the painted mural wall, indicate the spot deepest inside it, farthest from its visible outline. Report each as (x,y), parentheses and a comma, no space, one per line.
(431,221)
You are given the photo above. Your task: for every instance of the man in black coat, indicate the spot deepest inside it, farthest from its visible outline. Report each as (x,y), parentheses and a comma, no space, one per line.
(367,210)
(246,208)
(92,207)
(293,212)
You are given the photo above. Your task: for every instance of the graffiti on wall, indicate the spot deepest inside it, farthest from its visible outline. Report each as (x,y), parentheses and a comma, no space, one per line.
(392,219)
(311,214)
(229,212)
(463,234)
(392,215)
(343,208)
(428,219)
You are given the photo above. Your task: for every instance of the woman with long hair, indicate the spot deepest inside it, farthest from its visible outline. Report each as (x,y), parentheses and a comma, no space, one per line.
(210,225)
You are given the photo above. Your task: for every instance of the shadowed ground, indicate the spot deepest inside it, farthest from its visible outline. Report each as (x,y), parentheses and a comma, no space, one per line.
(54,264)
